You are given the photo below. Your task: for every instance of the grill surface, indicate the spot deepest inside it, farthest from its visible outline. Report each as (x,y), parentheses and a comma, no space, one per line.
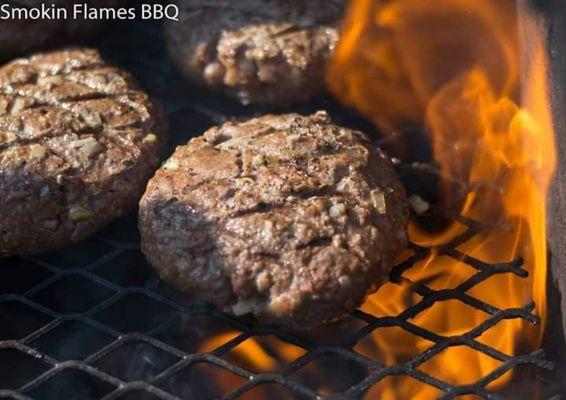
(94,321)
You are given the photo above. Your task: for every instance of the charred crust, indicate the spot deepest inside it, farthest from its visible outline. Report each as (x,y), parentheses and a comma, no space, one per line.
(70,121)
(293,238)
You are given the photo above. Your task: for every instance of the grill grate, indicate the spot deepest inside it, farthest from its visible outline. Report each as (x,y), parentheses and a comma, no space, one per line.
(94,320)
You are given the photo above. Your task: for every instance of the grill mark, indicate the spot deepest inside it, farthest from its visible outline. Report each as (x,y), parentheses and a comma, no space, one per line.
(218,140)
(307,194)
(89,97)
(260,208)
(62,106)
(71,99)
(87,67)
(225,145)
(268,255)
(239,164)
(100,95)
(323,241)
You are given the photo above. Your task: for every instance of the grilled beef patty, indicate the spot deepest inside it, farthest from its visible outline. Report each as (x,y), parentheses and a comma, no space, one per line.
(289,217)
(258,51)
(78,142)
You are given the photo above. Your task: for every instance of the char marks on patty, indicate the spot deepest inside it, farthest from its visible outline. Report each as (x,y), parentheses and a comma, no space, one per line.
(78,142)
(288,217)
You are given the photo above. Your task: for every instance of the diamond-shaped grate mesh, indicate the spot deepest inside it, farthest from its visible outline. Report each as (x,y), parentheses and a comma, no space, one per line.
(93,321)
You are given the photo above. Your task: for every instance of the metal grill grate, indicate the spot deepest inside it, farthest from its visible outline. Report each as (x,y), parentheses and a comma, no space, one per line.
(95,320)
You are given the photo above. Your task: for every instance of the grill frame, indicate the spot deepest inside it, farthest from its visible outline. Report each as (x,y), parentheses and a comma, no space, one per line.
(139,49)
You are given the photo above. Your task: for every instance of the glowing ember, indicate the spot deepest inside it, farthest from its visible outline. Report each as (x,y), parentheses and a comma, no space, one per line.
(455,67)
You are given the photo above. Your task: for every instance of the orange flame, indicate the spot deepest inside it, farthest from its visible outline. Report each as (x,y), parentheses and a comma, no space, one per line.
(455,67)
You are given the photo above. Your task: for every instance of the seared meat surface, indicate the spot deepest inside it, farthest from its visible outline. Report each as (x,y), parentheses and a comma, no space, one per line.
(287,217)
(78,142)
(258,51)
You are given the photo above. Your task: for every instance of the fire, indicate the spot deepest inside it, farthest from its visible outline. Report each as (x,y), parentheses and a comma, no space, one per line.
(460,69)
(473,74)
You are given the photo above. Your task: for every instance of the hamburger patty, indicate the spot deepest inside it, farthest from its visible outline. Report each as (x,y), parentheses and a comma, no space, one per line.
(20,36)
(259,51)
(78,142)
(289,217)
